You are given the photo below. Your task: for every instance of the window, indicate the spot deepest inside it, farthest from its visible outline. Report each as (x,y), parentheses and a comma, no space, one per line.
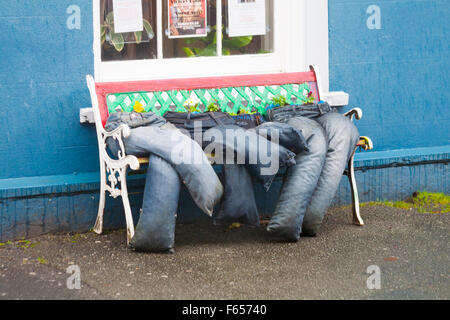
(209,45)
(127,45)
(211,37)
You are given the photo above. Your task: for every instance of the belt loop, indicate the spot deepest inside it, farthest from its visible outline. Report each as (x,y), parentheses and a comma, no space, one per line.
(320,109)
(188,118)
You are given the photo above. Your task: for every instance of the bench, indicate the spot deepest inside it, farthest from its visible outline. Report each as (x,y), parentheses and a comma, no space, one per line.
(231,93)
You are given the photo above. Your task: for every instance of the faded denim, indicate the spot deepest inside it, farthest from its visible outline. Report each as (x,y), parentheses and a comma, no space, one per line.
(310,186)
(238,203)
(288,136)
(311,111)
(262,158)
(133,120)
(342,137)
(184,154)
(155,230)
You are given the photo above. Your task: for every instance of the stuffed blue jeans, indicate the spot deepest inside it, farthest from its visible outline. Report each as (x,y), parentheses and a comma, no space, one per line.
(310,186)
(184,154)
(173,157)
(155,230)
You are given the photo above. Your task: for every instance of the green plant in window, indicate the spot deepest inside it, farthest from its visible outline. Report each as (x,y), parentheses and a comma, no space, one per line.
(201,47)
(116,39)
(279,100)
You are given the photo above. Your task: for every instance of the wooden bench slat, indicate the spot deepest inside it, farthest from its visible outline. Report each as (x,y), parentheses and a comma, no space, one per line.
(143,160)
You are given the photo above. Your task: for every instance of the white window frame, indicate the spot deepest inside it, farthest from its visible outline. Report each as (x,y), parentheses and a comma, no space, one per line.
(293,51)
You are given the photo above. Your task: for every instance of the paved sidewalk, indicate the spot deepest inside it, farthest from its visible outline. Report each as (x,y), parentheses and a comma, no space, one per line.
(411,249)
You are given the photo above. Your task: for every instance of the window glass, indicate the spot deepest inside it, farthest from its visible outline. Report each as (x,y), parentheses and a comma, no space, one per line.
(189,47)
(256,44)
(130,45)
(206,46)
(176,42)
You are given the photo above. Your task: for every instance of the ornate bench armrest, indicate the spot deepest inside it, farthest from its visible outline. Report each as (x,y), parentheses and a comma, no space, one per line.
(355,112)
(123,131)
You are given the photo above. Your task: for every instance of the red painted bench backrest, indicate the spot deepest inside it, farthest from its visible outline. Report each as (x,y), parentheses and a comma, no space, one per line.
(105,88)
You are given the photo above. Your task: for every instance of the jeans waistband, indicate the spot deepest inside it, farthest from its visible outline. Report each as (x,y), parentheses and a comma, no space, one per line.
(283,114)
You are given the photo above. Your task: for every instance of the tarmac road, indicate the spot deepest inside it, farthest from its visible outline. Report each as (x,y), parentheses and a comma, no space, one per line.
(411,250)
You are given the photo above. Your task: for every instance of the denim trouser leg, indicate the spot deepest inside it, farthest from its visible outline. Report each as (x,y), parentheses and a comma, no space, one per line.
(300,182)
(155,230)
(238,203)
(342,137)
(262,158)
(186,156)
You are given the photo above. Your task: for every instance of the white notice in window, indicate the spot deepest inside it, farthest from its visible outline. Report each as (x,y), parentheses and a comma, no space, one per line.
(246,17)
(128,16)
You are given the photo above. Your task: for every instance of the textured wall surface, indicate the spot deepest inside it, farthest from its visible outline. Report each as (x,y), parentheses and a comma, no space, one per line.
(398,74)
(43,65)
(390,56)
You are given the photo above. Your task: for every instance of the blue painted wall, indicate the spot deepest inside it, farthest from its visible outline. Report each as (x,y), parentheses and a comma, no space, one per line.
(42,70)
(398,74)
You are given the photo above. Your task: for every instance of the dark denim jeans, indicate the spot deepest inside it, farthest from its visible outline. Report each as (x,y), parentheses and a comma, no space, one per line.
(312,111)
(310,186)
(238,203)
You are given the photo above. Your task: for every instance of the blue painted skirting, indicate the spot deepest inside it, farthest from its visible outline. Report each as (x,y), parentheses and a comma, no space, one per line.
(35,205)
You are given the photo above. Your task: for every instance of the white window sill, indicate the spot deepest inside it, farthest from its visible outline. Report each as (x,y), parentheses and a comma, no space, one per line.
(336,98)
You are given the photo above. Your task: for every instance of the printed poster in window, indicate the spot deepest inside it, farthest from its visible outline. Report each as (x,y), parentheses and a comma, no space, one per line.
(128,16)
(246,18)
(187,18)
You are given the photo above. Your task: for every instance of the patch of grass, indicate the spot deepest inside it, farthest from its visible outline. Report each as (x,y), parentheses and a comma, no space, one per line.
(22,243)
(427,202)
(76,237)
(402,205)
(398,204)
(25,244)
(423,201)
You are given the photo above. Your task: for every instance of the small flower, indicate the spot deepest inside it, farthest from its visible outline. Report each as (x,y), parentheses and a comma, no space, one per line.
(138,107)
(192,104)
